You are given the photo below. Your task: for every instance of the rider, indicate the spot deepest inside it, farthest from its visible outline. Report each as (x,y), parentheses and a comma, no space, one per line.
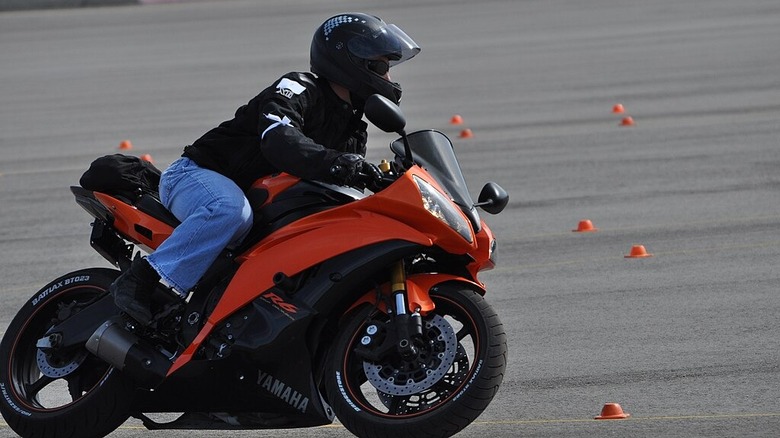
(308,124)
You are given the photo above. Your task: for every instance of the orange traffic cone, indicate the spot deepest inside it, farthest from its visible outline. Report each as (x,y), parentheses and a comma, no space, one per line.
(125,145)
(466,133)
(585,226)
(147,157)
(456,120)
(612,411)
(638,252)
(618,108)
(627,121)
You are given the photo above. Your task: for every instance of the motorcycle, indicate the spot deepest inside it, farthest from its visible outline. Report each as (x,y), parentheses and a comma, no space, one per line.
(340,303)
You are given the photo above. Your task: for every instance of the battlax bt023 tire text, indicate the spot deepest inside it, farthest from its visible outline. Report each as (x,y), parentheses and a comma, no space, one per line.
(51,392)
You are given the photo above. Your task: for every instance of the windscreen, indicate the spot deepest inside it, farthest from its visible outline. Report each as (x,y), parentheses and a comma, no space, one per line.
(433,151)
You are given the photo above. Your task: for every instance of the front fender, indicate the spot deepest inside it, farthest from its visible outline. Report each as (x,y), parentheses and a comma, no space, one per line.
(418,287)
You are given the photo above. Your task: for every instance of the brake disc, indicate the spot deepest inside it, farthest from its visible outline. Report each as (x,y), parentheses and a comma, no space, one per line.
(59,370)
(430,365)
(403,405)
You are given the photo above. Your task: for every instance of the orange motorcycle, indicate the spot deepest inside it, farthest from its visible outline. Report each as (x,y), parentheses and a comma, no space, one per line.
(342,302)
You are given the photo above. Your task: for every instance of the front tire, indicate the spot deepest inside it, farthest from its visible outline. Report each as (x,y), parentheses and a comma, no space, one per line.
(51,393)
(453,379)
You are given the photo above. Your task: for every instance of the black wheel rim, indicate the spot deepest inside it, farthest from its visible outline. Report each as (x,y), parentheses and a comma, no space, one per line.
(365,392)
(48,380)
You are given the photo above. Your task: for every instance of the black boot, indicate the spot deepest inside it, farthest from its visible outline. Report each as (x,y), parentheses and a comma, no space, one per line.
(133,289)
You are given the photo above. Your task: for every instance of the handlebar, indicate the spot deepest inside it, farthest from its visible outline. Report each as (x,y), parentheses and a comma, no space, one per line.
(363,180)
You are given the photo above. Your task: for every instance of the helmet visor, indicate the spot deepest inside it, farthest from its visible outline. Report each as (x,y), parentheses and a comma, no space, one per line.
(388,41)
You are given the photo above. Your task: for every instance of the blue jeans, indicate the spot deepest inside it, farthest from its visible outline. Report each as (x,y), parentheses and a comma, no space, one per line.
(214,214)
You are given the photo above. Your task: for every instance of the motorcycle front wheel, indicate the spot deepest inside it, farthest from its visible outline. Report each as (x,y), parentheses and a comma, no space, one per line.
(456,371)
(50,392)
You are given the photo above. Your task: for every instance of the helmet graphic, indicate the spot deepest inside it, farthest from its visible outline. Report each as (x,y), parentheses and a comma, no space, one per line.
(349,48)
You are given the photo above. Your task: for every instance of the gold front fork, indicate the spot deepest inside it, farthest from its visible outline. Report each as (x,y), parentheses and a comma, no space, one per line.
(398,278)
(398,287)
(408,326)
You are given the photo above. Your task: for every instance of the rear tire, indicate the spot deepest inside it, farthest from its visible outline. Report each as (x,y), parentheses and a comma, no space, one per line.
(442,391)
(60,393)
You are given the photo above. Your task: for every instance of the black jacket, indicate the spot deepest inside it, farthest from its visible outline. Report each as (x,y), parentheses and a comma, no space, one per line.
(297,125)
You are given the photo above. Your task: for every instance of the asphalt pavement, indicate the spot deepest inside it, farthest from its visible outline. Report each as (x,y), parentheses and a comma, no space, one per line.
(686,341)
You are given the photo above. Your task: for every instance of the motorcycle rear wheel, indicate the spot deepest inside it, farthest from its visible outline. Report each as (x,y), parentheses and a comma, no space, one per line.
(452,381)
(51,393)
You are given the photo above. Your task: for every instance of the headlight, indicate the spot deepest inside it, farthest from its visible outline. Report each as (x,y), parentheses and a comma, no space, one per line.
(443,209)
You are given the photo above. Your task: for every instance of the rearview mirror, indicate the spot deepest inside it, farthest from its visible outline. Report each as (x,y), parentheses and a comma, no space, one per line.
(384,114)
(493,198)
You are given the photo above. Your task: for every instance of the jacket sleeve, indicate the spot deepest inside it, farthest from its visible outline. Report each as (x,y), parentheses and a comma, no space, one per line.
(282,141)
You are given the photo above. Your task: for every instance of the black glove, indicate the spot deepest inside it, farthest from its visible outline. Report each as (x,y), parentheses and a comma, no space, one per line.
(352,169)
(373,176)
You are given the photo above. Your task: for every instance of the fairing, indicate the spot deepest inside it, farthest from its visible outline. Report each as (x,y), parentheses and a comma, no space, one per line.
(433,151)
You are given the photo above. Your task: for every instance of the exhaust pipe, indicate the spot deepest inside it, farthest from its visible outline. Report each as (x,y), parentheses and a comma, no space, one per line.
(125,352)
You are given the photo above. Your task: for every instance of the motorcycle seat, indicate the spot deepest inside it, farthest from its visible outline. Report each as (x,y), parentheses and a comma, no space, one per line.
(153,207)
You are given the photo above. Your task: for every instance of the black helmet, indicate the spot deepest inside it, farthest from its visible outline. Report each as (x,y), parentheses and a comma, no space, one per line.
(345,47)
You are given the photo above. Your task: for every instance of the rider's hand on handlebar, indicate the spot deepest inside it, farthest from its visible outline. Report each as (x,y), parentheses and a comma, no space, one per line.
(354,170)
(373,176)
